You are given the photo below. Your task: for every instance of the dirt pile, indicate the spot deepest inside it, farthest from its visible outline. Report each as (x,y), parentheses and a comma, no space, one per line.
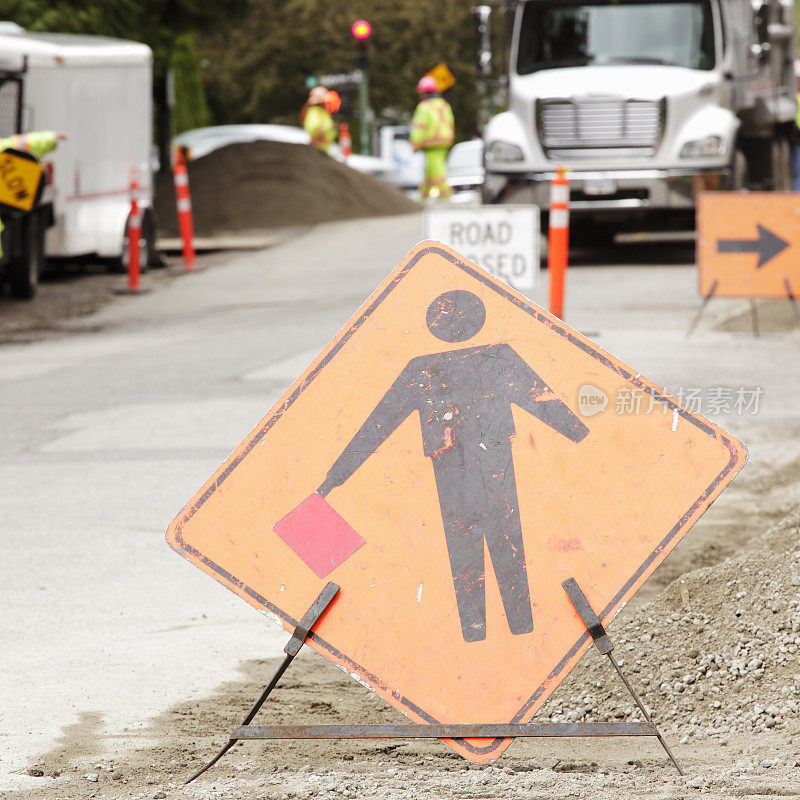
(713,655)
(254,185)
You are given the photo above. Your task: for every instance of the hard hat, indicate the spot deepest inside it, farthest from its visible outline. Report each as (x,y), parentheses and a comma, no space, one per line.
(333,101)
(316,97)
(427,84)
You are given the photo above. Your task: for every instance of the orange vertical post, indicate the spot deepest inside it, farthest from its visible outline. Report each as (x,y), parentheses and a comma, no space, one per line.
(345,142)
(558,240)
(183,201)
(134,235)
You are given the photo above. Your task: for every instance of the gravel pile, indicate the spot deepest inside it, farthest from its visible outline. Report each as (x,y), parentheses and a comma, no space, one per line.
(256,185)
(716,654)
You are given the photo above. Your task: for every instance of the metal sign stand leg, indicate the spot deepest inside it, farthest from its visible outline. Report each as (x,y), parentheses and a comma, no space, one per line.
(292,648)
(754,317)
(706,301)
(247,731)
(603,644)
(792,301)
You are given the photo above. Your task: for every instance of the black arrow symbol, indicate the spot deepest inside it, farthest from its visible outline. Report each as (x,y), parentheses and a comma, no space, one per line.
(768,245)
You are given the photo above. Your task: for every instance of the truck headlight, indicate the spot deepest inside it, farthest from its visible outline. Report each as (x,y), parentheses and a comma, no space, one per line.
(710,146)
(503,151)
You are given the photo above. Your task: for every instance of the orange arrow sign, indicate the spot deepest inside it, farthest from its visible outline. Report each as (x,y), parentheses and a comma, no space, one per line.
(748,245)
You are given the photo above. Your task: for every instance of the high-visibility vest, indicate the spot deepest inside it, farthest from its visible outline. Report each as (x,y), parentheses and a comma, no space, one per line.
(433,124)
(39,143)
(319,124)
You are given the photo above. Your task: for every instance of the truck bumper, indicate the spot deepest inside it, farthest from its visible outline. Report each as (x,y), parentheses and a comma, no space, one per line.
(610,190)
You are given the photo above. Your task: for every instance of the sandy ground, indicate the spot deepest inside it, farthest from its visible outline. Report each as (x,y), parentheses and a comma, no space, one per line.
(178,740)
(711,642)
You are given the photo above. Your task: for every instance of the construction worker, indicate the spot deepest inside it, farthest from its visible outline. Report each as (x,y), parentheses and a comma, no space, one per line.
(432,131)
(38,143)
(317,120)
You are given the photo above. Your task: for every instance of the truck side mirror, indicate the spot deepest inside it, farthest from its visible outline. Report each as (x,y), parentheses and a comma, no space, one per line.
(483,35)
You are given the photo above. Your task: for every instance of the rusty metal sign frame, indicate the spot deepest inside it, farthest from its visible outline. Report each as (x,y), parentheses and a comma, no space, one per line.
(246,731)
(790,296)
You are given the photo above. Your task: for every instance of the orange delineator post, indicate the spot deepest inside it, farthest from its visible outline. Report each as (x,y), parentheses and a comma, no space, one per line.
(134,235)
(183,201)
(345,142)
(558,240)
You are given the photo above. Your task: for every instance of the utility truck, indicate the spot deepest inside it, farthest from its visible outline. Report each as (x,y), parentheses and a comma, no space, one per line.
(98,91)
(646,102)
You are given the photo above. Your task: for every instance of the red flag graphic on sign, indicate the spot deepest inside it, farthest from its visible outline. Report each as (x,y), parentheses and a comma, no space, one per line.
(318,535)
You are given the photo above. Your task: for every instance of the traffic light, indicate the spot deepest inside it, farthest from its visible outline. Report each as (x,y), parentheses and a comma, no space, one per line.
(361,31)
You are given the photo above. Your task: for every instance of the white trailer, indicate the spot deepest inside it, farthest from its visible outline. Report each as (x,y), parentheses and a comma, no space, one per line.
(98,91)
(646,102)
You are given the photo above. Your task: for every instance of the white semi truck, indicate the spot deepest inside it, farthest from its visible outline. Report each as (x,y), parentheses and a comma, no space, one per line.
(646,102)
(99,92)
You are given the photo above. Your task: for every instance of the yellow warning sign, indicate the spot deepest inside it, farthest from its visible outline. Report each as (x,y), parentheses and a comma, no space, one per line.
(443,77)
(20,178)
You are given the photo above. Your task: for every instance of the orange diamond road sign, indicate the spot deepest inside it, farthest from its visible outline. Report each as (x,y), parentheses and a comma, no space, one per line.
(447,461)
(748,245)
(443,76)
(20,180)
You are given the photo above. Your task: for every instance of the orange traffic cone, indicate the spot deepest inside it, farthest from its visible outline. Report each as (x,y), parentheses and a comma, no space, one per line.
(345,142)
(558,240)
(134,236)
(183,200)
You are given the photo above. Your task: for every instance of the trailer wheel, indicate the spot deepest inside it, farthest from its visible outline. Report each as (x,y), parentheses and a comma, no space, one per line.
(27,262)
(147,244)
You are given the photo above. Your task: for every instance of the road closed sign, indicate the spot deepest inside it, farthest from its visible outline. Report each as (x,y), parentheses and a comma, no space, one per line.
(503,239)
(20,180)
(445,464)
(748,245)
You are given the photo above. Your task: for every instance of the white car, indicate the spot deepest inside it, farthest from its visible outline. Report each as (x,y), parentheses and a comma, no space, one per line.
(369,165)
(465,165)
(202,141)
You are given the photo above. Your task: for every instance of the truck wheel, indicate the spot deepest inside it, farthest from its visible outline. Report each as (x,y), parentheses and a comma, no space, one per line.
(27,262)
(147,244)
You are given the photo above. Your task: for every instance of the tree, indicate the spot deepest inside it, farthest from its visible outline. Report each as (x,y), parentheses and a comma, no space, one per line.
(157,23)
(191,109)
(257,71)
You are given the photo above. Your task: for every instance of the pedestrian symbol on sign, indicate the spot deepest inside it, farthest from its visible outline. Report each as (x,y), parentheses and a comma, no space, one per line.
(464,400)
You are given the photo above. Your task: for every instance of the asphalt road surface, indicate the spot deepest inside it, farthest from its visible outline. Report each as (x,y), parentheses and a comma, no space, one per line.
(111,424)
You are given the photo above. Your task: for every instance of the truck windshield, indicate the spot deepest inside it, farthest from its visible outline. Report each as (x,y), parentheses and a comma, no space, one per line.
(575,34)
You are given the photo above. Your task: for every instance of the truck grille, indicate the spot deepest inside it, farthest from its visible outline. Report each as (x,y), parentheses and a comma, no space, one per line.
(594,129)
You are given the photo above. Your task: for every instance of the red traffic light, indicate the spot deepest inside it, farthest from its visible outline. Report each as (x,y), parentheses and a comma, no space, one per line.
(361,29)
